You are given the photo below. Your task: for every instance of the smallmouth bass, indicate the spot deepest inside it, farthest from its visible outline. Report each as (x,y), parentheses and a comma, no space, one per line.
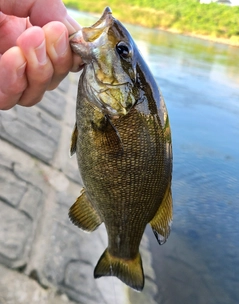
(122,140)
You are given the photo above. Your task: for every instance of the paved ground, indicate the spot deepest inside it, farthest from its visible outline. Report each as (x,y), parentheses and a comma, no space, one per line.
(43,257)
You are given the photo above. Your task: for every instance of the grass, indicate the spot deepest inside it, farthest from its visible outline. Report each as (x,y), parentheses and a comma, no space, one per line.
(183,16)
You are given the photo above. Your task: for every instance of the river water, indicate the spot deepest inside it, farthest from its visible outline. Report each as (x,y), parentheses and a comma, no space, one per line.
(199,79)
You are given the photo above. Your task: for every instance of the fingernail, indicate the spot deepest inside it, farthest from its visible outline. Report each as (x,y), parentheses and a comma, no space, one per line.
(61,44)
(40,52)
(21,70)
(72,25)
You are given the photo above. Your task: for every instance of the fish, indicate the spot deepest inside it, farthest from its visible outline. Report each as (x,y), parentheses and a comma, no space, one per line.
(122,141)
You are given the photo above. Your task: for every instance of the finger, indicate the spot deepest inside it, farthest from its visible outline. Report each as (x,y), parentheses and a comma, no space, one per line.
(39,15)
(13,80)
(52,14)
(11,28)
(58,50)
(39,70)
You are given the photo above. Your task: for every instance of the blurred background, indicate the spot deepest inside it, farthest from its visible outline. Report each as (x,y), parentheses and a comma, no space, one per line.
(192,50)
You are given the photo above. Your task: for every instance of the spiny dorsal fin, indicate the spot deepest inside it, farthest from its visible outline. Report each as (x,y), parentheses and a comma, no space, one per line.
(83,214)
(128,271)
(161,223)
(73,141)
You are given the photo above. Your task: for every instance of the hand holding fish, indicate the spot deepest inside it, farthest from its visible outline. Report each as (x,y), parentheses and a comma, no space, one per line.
(34,51)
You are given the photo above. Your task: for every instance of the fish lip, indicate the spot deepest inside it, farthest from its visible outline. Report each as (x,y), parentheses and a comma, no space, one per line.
(77,39)
(104,22)
(82,41)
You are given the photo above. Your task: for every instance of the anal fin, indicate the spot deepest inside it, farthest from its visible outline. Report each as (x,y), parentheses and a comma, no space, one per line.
(161,223)
(129,271)
(83,214)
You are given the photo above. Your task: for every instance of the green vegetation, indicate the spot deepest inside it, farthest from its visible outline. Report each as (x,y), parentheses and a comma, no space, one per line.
(183,16)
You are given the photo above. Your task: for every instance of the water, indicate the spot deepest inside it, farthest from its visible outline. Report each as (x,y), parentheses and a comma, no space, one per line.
(200,82)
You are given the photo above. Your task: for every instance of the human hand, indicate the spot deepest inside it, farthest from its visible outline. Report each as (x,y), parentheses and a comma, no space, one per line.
(35,54)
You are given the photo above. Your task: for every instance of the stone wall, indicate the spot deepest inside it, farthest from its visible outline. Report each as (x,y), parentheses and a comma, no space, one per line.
(44,258)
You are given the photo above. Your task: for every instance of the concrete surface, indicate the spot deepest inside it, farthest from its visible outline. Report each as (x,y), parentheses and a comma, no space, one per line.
(44,258)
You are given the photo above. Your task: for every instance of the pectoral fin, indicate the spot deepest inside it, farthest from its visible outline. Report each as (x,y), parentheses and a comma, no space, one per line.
(112,139)
(73,141)
(83,214)
(161,223)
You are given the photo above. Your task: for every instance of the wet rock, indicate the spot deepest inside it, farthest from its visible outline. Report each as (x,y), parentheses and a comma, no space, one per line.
(31,130)
(68,164)
(19,204)
(38,184)
(15,229)
(73,255)
(12,189)
(53,103)
(16,288)
(64,85)
(30,201)
(70,169)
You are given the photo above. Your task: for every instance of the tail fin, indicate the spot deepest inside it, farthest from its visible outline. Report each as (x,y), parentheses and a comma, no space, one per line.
(128,271)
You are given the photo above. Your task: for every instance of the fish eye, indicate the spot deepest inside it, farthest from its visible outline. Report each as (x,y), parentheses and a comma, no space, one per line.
(124,50)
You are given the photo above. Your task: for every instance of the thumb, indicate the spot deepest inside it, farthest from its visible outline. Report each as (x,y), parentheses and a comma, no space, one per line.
(40,12)
(56,11)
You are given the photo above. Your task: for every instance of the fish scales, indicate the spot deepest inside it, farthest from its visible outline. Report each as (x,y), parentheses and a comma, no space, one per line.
(123,148)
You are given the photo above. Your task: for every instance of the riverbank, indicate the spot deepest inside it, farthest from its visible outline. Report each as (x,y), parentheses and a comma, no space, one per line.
(207,21)
(231,42)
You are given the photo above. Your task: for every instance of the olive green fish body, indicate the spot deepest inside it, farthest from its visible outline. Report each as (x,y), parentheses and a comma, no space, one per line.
(125,160)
